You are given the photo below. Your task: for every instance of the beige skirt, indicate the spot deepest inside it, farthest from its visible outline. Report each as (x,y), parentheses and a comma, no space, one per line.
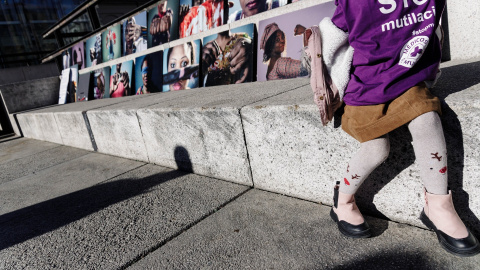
(366,123)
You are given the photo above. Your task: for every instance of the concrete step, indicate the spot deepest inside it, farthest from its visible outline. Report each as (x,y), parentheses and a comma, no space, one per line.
(268,135)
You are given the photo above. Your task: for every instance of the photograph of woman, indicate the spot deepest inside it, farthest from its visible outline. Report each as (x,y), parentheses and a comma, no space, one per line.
(281,43)
(181,68)
(273,44)
(148,73)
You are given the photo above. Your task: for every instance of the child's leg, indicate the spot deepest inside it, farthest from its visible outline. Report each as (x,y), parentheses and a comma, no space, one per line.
(370,155)
(439,213)
(345,211)
(430,151)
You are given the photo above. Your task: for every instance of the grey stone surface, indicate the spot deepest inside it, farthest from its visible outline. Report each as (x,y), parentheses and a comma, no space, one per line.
(262,230)
(36,161)
(111,224)
(28,95)
(15,149)
(209,126)
(61,180)
(66,122)
(463,21)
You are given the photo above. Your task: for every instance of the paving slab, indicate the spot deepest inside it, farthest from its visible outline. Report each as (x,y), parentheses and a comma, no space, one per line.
(209,126)
(262,230)
(37,161)
(111,224)
(61,179)
(19,148)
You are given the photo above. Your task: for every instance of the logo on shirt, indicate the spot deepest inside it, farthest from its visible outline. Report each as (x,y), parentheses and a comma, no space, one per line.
(413,50)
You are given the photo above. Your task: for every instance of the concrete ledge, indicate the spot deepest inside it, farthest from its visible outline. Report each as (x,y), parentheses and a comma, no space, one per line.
(267,134)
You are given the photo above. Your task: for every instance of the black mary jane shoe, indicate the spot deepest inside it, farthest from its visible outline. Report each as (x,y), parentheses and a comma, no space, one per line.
(463,247)
(347,229)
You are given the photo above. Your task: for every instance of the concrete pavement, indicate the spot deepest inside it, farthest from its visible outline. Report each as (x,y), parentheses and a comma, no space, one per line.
(66,208)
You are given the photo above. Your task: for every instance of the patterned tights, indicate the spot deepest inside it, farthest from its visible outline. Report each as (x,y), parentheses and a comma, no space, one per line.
(430,152)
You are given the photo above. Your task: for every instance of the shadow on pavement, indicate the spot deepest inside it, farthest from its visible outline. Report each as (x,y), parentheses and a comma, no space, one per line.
(24,224)
(410,260)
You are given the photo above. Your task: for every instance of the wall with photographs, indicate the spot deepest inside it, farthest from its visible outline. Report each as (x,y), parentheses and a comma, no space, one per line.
(210,53)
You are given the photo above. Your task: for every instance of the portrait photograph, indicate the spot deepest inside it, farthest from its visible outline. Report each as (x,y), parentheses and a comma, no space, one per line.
(281,40)
(135,34)
(93,49)
(101,83)
(163,22)
(239,9)
(78,55)
(196,16)
(181,66)
(148,73)
(121,79)
(112,43)
(228,57)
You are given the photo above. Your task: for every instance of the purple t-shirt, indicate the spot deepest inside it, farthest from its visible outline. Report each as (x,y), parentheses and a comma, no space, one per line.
(395,46)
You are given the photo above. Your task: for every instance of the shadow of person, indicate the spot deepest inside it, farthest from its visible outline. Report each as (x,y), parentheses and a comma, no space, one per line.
(35,220)
(390,260)
(182,158)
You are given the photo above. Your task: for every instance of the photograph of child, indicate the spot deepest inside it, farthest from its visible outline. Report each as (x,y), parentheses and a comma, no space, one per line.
(181,66)
(94,50)
(163,22)
(101,83)
(135,34)
(120,79)
(111,43)
(239,9)
(228,57)
(148,73)
(78,55)
(281,42)
(196,17)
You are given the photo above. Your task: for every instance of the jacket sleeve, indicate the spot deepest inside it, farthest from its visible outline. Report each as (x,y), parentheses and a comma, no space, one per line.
(337,54)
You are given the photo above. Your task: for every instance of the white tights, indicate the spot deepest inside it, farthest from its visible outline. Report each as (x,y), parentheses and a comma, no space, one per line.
(430,152)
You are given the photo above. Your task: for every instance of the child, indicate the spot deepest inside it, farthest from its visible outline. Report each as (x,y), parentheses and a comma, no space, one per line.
(396,51)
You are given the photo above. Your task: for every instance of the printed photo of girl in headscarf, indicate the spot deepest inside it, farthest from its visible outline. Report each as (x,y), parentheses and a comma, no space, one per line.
(280,47)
